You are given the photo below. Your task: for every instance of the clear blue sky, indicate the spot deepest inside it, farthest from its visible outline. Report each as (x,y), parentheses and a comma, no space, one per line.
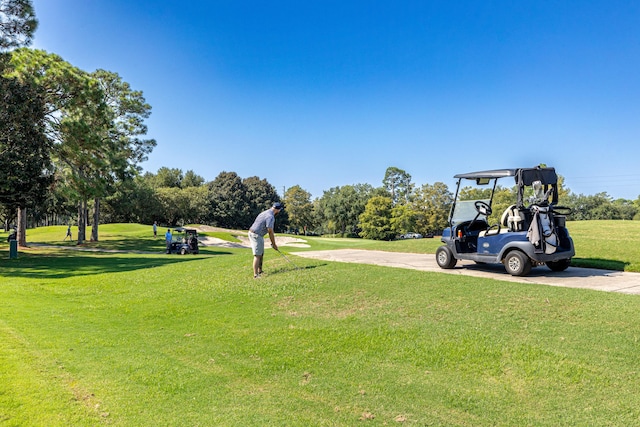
(329,93)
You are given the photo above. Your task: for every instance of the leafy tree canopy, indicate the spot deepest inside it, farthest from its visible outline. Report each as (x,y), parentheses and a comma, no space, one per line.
(191,179)
(17,23)
(398,183)
(375,221)
(299,208)
(25,163)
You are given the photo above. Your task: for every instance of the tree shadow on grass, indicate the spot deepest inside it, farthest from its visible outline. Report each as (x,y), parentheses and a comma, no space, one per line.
(125,245)
(64,263)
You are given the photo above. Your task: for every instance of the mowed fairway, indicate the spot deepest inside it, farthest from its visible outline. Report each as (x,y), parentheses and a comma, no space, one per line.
(149,339)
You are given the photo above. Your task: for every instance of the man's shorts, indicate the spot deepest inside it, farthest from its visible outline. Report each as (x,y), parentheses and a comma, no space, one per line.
(257,243)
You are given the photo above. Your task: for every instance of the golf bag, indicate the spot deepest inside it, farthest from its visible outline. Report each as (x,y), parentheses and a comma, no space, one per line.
(542,233)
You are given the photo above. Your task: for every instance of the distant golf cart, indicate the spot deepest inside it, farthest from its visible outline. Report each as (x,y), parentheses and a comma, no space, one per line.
(529,233)
(185,241)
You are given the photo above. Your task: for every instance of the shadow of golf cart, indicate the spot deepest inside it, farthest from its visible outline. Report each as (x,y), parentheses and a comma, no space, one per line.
(185,241)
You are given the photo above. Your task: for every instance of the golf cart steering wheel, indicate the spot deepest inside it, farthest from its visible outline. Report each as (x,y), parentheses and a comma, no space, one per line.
(483,208)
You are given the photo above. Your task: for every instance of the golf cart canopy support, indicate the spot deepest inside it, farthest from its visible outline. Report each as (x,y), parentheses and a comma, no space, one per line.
(524,177)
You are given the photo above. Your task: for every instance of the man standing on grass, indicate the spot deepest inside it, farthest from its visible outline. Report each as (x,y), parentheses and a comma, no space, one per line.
(68,233)
(262,225)
(168,237)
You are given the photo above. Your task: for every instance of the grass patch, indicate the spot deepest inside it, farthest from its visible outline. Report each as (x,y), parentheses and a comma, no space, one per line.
(611,245)
(119,237)
(141,339)
(125,237)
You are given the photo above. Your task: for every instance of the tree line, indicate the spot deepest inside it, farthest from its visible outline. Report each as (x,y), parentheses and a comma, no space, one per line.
(397,207)
(71,145)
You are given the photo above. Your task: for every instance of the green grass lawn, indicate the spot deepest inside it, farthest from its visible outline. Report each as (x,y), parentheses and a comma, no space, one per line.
(150,339)
(611,245)
(116,237)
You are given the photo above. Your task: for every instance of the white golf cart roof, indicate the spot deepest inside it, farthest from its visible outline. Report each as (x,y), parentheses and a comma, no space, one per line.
(523,176)
(492,174)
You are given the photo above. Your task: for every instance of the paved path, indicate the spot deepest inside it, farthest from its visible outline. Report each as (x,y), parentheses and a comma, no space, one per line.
(573,277)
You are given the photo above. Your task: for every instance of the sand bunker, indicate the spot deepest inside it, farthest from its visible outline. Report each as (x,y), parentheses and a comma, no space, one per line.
(244,242)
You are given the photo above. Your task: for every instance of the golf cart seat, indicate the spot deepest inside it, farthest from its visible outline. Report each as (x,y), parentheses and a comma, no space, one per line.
(493,230)
(513,219)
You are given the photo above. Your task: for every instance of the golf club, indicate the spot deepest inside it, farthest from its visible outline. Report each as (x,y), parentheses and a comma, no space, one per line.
(287,258)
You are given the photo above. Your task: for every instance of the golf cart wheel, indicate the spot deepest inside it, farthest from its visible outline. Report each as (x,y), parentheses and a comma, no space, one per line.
(183,251)
(561,265)
(517,264)
(444,258)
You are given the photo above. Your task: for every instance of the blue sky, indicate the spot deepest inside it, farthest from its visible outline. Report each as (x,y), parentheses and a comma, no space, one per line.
(328,93)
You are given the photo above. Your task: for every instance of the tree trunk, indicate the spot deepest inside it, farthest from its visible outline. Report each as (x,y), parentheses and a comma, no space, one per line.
(96,218)
(82,221)
(22,227)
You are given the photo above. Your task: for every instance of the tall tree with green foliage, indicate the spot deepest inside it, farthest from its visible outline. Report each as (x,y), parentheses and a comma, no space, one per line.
(97,123)
(77,120)
(25,151)
(398,183)
(174,204)
(228,208)
(197,209)
(122,145)
(299,207)
(17,23)
(433,202)
(166,177)
(404,219)
(342,207)
(192,179)
(132,201)
(17,26)
(375,221)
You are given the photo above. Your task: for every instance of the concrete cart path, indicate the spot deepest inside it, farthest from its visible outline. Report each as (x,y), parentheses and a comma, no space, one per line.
(573,277)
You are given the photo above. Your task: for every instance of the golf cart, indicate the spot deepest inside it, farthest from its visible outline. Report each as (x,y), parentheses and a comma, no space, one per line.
(528,233)
(185,241)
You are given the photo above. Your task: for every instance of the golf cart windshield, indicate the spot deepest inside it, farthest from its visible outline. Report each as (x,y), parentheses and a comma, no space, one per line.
(538,185)
(465,210)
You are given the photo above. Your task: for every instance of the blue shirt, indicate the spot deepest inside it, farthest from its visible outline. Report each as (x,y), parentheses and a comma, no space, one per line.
(263,222)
